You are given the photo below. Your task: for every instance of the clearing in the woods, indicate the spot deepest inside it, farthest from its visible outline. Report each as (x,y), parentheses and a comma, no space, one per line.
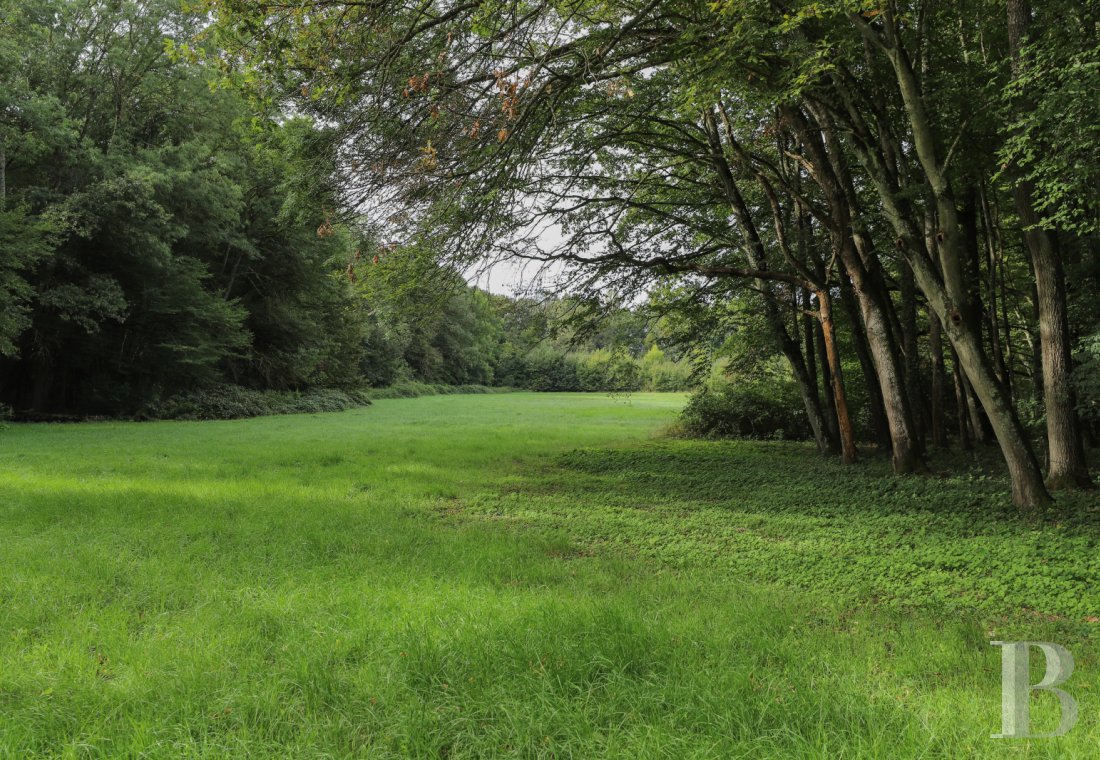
(516,575)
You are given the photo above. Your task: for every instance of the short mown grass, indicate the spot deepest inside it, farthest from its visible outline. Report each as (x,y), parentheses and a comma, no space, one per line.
(517,575)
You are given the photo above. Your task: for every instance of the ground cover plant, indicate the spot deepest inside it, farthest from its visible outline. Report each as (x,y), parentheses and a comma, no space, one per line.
(515,575)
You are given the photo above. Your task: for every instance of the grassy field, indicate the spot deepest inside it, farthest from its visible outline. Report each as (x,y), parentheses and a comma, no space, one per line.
(520,575)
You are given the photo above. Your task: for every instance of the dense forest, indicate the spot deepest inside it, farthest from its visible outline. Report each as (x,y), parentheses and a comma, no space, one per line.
(157,236)
(872,224)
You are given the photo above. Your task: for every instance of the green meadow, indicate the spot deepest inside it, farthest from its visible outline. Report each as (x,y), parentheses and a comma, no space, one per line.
(518,575)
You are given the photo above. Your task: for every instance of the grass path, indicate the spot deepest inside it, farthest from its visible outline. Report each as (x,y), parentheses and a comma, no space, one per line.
(449,577)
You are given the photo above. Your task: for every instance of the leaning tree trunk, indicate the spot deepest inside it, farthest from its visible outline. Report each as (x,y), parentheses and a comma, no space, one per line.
(1028,491)
(848,453)
(866,364)
(811,402)
(853,245)
(1066,454)
(948,297)
(935,347)
(905,446)
(757,256)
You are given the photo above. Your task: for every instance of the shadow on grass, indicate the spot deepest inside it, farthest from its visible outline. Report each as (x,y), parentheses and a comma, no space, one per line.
(779,513)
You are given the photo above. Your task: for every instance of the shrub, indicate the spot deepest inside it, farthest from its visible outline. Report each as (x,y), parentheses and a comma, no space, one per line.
(549,370)
(608,371)
(747,409)
(661,374)
(413,389)
(234,402)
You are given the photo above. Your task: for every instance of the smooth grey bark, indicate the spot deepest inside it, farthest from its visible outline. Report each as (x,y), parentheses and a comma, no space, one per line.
(860,343)
(946,290)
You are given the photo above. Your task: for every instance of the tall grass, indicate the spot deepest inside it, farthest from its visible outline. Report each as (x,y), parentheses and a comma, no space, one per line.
(385,582)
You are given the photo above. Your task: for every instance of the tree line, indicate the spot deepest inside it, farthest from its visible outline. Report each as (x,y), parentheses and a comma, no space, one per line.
(158,235)
(926,171)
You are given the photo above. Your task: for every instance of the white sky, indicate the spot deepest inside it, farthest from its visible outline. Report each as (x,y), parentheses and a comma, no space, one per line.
(510,276)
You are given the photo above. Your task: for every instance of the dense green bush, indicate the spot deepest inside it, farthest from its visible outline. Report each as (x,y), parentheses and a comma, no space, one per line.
(610,371)
(412,389)
(233,402)
(747,409)
(1087,377)
(659,373)
(541,369)
(546,368)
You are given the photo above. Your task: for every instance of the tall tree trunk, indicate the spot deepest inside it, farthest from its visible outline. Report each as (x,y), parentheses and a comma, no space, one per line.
(756,254)
(848,453)
(906,451)
(826,382)
(935,347)
(947,295)
(966,441)
(992,261)
(854,247)
(1067,467)
(913,382)
(867,365)
(811,402)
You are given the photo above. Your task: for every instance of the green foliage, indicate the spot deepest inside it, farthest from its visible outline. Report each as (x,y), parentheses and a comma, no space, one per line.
(549,368)
(155,240)
(1087,378)
(424,322)
(614,371)
(541,369)
(235,402)
(413,389)
(24,241)
(662,374)
(747,408)
(1055,142)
